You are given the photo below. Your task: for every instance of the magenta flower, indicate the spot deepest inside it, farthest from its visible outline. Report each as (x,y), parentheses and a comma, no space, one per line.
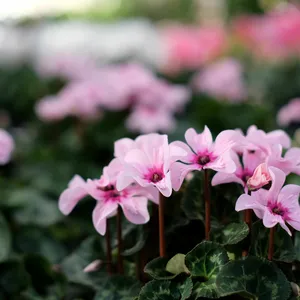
(149,163)
(7,146)
(277,205)
(132,199)
(203,153)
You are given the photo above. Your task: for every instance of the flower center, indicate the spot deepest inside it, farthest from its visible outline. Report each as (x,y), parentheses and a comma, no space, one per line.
(203,160)
(107,188)
(156,177)
(277,211)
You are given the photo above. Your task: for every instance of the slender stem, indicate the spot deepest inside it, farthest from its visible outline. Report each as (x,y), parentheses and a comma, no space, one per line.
(248,221)
(207,204)
(120,243)
(108,247)
(271,243)
(161,212)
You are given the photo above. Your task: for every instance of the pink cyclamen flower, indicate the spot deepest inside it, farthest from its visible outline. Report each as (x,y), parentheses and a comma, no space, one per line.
(289,113)
(222,80)
(149,163)
(260,177)
(277,205)
(259,139)
(7,146)
(203,153)
(250,160)
(132,199)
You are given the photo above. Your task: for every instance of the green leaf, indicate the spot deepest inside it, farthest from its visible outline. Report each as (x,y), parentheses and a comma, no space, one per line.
(206,289)
(13,277)
(5,238)
(206,260)
(117,288)
(37,209)
(156,268)
(254,276)
(192,204)
(186,289)
(159,290)
(176,265)
(73,265)
(297,245)
(283,245)
(230,234)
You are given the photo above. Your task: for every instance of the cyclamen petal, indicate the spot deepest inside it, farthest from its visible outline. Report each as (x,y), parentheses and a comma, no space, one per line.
(260,178)
(72,195)
(135,210)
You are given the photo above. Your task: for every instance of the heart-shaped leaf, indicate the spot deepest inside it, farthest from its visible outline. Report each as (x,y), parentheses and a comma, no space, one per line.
(230,234)
(253,276)
(156,268)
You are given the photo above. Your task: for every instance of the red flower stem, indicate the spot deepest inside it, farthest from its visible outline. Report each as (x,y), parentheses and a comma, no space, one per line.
(161,213)
(108,247)
(207,204)
(248,221)
(271,243)
(120,243)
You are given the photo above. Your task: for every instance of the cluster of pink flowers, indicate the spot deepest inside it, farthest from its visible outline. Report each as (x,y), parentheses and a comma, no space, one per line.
(289,113)
(153,101)
(7,146)
(188,48)
(149,165)
(274,35)
(222,80)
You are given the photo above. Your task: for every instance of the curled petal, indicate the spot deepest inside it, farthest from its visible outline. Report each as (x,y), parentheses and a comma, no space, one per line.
(69,199)
(135,210)
(179,172)
(221,178)
(278,179)
(101,212)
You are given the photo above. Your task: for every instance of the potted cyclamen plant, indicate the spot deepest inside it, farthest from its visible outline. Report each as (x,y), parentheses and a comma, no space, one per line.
(231,255)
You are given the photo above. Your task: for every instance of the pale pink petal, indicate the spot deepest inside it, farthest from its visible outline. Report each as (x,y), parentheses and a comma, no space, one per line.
(138,160)
(70,197)
(178,151)
(221,178)
(285,227)
(289,195)
(278,179)
(101,212)
(124,180)
(165,185)
(198,142)
(248,202)
(295,223)
(279,137)
(135,210)
(223,163)
(226,140)
(153,193)
(270,220)
(179,172)
(7,146)
(122,147)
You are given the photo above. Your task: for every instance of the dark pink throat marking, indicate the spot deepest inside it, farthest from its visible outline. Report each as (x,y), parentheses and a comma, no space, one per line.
(203,160)
(156,177)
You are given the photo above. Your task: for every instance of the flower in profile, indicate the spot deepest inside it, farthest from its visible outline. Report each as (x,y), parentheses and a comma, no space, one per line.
(133,199)
(149,163)
(260,177)
(277,205)
(203,153)
(7,146)
(222,80)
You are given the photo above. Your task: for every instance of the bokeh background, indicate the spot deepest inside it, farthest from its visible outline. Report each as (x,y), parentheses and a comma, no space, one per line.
(77,75)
